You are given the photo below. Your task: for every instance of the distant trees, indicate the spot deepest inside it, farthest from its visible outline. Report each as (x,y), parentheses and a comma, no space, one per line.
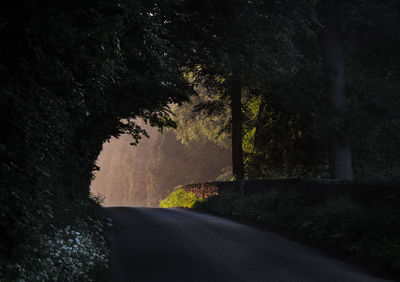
(173,163)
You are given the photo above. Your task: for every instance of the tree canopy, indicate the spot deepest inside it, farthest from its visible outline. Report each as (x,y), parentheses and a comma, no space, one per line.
(296,88)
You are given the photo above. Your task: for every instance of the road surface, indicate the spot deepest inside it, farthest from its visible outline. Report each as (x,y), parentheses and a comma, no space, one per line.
(158,245)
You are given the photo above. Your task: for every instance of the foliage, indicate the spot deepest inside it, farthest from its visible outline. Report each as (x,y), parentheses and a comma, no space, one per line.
(288,120)
(68,248)
(373,112)
(72,74)
(195,125)
(179,198)
(276,142)
(367,233)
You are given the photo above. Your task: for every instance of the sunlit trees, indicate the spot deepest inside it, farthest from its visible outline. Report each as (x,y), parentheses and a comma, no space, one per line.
(301,57)
(224,47)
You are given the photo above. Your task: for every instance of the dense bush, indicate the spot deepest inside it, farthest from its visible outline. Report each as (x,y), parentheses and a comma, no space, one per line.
(71,247)
(364,232)
(72,75)
(180,198)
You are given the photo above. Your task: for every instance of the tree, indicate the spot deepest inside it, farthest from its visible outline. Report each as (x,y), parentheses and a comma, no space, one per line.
(332,47)
(235,94)
(341,29)
(348,27)
(224,59)
(72,74)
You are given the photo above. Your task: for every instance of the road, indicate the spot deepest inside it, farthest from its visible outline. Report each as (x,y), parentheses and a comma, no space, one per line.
(151,244)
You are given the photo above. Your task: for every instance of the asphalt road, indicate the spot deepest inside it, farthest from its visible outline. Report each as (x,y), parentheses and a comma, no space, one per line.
(151,244)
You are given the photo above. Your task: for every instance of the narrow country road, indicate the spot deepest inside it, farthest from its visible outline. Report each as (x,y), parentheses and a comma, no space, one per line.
(151,244)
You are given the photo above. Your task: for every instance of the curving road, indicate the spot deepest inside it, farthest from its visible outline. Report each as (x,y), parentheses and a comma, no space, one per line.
(151,244)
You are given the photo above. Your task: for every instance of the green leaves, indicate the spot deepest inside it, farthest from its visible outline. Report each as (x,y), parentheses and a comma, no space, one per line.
(179,198)
(71,75)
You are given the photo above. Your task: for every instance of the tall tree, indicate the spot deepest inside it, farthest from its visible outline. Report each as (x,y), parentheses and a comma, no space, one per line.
(235,94)
(342,30)
(339,151)
(224,40)
(349,27)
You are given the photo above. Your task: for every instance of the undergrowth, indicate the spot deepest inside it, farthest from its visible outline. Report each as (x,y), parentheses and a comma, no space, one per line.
(179,198)
(71,246)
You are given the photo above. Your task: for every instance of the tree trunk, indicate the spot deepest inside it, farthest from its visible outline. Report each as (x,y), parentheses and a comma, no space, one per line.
(259,125)
(339,152)
(237,150)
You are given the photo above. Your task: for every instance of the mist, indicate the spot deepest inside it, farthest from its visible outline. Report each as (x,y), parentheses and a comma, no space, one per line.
(143,175)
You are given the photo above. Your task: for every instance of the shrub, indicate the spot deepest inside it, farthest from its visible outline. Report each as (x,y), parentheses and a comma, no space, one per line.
(65,255)
(69,248)
(179,198)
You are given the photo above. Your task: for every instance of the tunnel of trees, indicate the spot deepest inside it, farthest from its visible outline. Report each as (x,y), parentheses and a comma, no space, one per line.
(305,88)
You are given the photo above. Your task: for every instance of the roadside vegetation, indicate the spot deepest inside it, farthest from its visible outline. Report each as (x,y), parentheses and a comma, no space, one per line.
(72,75)
(180,198)
(63,247)
(341,225)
